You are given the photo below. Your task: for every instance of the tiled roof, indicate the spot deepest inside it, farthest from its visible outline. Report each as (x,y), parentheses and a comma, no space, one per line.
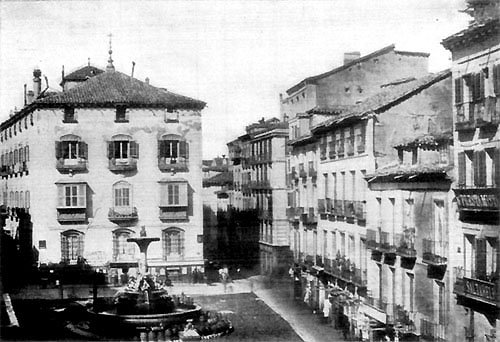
(83,74)
(112,88)
(430,140)
(404,173)
(305,139)
(476,31)
(389,97)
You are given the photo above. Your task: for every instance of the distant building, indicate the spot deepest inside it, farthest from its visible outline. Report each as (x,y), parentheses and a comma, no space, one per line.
(258,165)
(84,169)
(476,115)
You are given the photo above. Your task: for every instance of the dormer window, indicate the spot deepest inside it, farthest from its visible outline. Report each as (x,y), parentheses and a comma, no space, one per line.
(121,114)
(69,115)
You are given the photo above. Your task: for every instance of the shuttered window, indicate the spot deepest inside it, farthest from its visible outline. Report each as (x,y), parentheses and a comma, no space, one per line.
(461,169)
(173,149)
(496,167)
(123,149)
(72,195)
(174,194)
(173,243)
(496,79)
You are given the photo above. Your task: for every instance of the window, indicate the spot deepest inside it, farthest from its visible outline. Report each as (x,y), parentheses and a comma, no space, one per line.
(69,149)
(122,249)
(479,168)
(174,194)
(123,147)
(122,193)
(121,114)
(69,115)
(72,246)
(173,243)
(72,195)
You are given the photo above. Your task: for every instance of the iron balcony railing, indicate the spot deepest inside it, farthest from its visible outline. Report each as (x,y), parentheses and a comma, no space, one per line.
(372,239)
(433,252)
(122,214)
(406,243)
(387,243)
(73,165)
(476,286)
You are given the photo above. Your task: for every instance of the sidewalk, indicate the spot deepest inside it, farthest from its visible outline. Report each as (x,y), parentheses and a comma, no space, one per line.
(307,325)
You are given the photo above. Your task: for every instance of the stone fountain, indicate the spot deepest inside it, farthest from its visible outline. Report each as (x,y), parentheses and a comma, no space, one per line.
(144,304)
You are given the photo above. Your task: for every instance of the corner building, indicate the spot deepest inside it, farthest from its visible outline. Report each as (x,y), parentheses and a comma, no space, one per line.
(94,163)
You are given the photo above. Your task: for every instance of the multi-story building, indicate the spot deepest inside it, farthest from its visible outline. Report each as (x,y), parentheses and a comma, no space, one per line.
(353,143)
(476,78)
(315,176)
(258,159)
(86,168)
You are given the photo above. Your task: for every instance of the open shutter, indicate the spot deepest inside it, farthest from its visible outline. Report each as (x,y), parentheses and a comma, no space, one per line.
(82,195)
(163,195)
(84,150)
(60,196)
(58,149)
(481,86)
(461,168)
(183,149)
(64,247)
(111,149)
(481,165)
(496,79)
(160,148)
(458,91)
(183,194)
(80,244)
(475,164)
(134,149)
(27,153)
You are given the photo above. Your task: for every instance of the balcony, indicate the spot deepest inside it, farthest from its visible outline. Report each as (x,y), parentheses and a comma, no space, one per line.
(350,149)
(303,174)
(173,164)
(71,165)
(338,207)
(329,205)
(349,211)
(478,203)
(319,260)
(313,173)
(125,214)
(328,265)
(406,243)
(377,303)
(265,215)
(72,215)
(173,214)
(372,241)
(128,164)
(360,211)
(433,252)
(322,151)
(477,290)
(387,243)
(322,209)
(332,154)
(309,218)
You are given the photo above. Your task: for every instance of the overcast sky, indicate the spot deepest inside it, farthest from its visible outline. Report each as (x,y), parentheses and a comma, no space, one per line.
(235,55)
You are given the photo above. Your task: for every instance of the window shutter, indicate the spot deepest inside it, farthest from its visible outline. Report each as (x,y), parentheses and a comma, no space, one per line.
(111,149)
(481,86)
(82,195)
(27,153)
(80,244)
(461,168)
(64,247)
(83,149)
(27,198)
(183,194)
(183,149)
(496,79)
(60,196)
(163,195)
(160,148)
(475,163)
(58,149)
(481,165)
(496,167)
(477,87)
(458,91)
(134,149)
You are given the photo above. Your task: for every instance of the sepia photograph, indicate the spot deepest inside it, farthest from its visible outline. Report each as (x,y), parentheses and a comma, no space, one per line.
(262,171)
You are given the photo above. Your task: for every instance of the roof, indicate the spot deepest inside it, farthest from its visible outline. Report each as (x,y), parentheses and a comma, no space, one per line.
(410,173)
(476,31)
(221,179)
(429,140)
(389,48)
(83,74)
(389,97)
(112,88)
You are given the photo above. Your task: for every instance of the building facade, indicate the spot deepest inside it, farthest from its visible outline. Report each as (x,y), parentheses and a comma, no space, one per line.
(476,79)
(258,159)
(91,165)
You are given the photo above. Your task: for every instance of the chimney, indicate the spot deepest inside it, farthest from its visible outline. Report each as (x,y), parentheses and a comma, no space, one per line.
(147,80)
(37,82)
(25,100)
(351,56)
(30,97)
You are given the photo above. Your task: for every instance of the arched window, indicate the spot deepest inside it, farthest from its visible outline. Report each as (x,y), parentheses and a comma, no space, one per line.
(173,152)
(72,246)
(122,249)
(71,147)
(173,243)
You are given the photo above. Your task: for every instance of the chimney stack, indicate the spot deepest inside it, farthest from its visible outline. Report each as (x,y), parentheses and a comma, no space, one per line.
(30,96)
(351,56)
(37,83)
(147,80)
